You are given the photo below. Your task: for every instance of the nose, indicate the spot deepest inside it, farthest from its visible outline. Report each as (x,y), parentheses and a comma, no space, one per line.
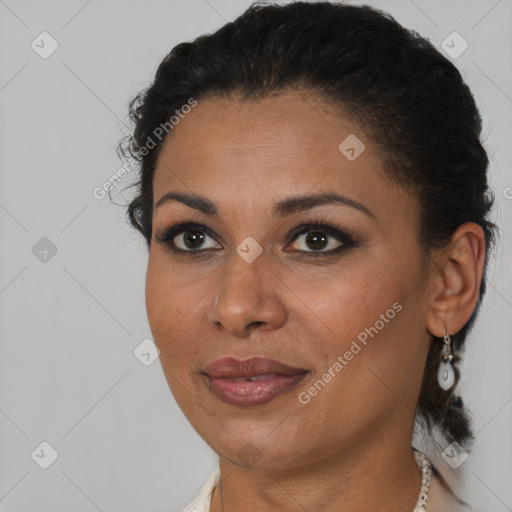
(249,296)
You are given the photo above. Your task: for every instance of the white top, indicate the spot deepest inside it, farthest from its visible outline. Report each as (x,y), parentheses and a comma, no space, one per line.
(202,501)
(439,499)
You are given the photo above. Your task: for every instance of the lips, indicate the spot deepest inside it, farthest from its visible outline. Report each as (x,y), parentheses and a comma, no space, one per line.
(230,368)
(252,381)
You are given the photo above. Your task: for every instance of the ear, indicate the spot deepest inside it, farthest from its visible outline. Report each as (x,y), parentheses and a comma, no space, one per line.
(455,282)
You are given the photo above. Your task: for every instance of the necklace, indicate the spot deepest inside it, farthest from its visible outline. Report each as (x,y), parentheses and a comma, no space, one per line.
(425,467)
(426,476)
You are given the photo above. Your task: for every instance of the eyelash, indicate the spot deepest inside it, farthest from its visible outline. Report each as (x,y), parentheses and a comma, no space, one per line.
(346,237)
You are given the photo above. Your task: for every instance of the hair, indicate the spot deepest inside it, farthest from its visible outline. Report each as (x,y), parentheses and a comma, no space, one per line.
(409,99)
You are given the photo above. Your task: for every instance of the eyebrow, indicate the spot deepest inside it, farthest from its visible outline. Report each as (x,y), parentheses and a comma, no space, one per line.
(283,208)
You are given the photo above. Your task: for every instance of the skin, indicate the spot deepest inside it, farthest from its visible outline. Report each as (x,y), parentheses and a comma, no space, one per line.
(349,447)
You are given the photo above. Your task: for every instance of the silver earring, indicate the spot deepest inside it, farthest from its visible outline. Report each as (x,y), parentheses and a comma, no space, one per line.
(445,374)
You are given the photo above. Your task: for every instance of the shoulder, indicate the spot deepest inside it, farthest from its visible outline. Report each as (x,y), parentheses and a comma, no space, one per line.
(201,503)
(442,499)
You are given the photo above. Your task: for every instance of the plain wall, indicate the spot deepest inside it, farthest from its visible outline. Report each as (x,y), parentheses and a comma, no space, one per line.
(69,324)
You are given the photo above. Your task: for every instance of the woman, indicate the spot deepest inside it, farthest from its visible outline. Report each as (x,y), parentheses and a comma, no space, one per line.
(314,197)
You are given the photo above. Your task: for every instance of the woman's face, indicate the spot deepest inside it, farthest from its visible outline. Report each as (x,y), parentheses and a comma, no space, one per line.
(344,307)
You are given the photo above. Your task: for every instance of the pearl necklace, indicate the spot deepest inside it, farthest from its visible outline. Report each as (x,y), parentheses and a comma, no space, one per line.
(426,476)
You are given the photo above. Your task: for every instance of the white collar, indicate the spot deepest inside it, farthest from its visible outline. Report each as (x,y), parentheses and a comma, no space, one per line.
(201,502)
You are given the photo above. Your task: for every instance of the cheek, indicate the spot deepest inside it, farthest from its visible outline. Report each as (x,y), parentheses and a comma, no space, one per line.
(171,306)
(372,319)
(345,301)
(363,292)
(159,307)
(367,314)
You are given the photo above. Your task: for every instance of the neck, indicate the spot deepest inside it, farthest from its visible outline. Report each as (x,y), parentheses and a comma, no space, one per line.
(380,475)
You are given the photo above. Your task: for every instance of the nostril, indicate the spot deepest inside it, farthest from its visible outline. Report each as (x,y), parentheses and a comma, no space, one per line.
(258,322)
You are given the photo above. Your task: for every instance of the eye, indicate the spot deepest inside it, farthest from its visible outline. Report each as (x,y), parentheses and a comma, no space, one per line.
(317,241)
(321,239)
(187,237)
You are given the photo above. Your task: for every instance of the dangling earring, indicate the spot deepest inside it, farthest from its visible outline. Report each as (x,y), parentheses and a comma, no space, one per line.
(445,374)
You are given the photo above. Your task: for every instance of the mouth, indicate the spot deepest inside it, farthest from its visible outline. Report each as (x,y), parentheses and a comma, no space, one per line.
(253,381)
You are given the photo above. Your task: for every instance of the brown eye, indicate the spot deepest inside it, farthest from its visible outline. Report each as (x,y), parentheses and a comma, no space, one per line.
(320,238)
(187,237)
(317,241)
(191,240)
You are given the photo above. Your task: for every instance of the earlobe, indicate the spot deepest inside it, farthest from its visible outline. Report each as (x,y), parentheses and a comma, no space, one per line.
(456,280)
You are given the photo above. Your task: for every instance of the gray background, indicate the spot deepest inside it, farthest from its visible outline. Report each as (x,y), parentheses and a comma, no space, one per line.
(69,323)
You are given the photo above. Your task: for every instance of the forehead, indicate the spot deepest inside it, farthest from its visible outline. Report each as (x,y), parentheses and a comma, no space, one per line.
(258,151)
